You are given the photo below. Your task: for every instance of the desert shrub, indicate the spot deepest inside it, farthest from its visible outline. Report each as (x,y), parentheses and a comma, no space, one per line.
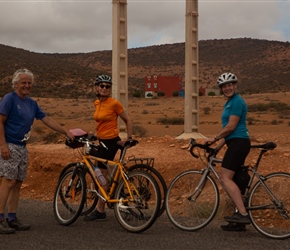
(175,93)
(257,107)
(250,120)
(160,93)
(275,106)
(206,110)
(284,115)
(149,95)
(145,112)
(137,94)
(171,121)
(152,104)
(274,122)
(139,130)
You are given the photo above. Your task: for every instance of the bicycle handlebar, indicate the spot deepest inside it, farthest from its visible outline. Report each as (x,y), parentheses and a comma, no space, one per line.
(212,152)
(206,146)
(89,141)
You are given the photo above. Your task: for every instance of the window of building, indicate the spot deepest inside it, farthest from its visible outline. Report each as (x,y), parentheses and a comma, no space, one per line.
(149,85)
(155,85)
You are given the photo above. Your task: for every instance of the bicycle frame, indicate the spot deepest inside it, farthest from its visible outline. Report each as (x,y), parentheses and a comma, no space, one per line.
(260,178)
(119,171)
(193,196)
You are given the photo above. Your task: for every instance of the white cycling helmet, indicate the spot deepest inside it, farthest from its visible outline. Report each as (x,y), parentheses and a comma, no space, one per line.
(226,78)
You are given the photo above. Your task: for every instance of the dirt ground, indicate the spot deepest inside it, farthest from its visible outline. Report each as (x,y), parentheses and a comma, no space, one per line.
(48,154)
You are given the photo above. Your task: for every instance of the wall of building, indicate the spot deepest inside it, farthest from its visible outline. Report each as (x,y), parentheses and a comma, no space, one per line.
(166,84)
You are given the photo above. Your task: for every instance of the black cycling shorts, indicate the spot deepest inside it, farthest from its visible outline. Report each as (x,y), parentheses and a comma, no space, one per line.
(110,153)
(238,149)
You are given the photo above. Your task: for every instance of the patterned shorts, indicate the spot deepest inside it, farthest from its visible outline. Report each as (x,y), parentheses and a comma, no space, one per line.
(16,167)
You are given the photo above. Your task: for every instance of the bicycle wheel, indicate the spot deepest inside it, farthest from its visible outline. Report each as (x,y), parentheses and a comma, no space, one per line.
(191,213)
(91,197)
(139,214)
(67,168)
(69,197)
(271,218)
(159,179)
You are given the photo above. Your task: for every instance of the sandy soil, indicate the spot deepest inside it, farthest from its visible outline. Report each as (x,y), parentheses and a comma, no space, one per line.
(48,154)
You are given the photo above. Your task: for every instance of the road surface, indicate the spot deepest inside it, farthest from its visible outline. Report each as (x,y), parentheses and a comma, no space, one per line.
(46,233)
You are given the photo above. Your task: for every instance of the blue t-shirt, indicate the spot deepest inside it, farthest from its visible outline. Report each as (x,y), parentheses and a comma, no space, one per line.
(236,106)
(20,115)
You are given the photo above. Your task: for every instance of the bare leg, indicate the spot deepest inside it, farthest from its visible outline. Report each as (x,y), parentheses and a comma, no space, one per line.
(13,197)
(6,196)
(233,190)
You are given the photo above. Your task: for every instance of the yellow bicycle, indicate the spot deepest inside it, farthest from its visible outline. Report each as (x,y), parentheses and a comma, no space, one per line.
(135,196)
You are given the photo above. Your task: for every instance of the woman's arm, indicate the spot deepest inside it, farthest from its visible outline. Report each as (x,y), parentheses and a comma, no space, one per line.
(128,123)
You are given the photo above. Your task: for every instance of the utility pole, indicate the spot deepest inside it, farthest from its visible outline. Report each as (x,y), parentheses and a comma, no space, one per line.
(120,65)
(191,97)
(120,57)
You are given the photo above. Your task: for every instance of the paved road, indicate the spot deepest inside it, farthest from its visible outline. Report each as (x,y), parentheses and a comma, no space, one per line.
(47,234)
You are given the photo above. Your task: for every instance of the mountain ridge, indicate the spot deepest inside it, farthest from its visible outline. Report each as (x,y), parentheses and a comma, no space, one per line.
(260,65)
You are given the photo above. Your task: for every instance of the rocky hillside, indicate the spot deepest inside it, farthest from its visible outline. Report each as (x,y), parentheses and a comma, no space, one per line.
(261,66)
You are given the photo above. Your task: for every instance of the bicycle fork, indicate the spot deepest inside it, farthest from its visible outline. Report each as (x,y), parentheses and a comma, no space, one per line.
(197,191)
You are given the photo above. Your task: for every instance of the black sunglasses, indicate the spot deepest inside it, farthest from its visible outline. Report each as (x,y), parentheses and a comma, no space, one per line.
(105,86)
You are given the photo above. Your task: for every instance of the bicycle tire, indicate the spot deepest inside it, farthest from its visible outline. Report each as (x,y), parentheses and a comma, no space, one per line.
(139,214)
(191,215)
(271,222)
(69,197)
(91,197)
(159,179)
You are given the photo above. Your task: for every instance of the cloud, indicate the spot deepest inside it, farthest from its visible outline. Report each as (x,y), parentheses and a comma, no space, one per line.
(85,26)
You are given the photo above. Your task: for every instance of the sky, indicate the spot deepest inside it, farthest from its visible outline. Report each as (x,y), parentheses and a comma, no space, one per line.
(81,26)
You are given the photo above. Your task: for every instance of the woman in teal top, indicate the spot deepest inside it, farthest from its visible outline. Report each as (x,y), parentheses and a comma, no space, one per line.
(235,135)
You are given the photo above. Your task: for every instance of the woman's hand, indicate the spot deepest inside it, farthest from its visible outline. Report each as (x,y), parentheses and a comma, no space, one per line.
(210,140)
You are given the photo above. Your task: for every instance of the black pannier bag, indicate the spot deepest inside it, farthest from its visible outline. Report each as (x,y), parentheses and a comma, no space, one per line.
(78,133)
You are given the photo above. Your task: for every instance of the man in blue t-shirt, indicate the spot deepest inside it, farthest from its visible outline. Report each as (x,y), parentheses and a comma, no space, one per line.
(235,135)
(17,113)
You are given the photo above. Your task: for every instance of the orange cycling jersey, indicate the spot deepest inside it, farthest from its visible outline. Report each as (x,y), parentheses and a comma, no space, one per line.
(106,116)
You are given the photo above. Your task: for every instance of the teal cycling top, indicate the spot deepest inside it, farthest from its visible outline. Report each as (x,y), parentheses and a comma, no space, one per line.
(236,106)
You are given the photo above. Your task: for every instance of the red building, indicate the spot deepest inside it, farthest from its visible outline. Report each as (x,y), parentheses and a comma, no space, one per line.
(165,84)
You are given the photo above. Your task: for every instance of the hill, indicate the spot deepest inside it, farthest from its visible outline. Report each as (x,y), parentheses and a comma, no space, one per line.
(261,66)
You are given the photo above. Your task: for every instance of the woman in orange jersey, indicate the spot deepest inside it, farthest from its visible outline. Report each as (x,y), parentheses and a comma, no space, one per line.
(106,116)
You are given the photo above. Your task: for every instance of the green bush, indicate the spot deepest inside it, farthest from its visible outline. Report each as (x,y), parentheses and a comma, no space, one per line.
(137,94)
(149,95)
(160,93)
(175,93)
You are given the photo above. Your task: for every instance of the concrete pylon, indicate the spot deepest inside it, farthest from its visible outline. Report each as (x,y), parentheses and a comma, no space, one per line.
(191,97)
(120,57)
(120,65)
